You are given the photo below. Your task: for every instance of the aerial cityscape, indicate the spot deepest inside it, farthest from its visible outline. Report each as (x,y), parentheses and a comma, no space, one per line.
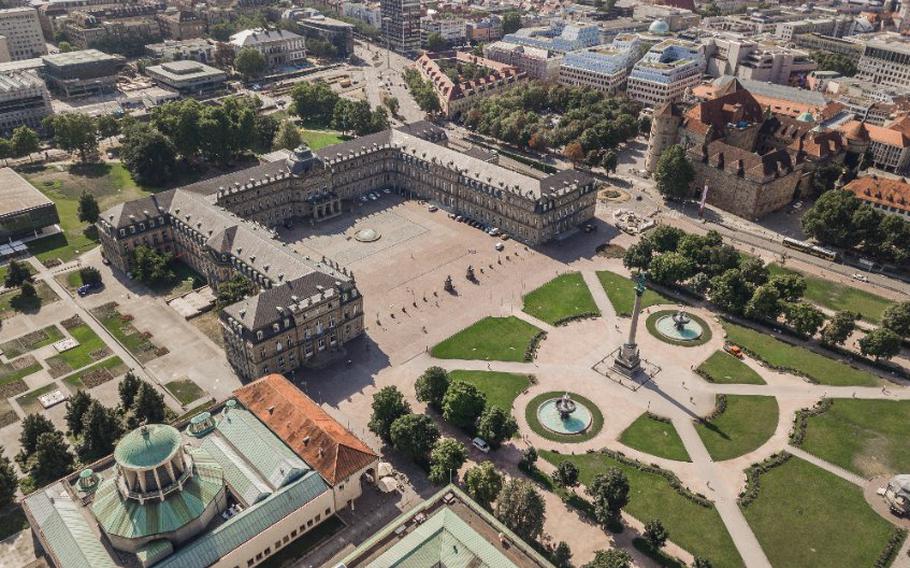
(420,284)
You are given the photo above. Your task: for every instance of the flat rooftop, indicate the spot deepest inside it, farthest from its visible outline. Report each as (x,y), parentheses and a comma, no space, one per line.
(185,70)
(17,195)
(79,57)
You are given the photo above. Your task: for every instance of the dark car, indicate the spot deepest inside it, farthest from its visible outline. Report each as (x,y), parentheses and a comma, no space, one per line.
(86,289)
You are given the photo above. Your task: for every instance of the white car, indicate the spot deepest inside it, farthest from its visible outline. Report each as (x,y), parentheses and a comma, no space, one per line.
(500,246)
(432,208)
(859,277)
(481,445)
(387,191)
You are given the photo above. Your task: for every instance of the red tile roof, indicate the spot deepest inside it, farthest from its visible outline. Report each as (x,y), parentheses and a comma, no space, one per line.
(883,191)
(882,135)
(320,440)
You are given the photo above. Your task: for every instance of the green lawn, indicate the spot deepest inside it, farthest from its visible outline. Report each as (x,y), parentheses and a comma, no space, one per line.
(80,356)
(31,341)
(125,332)
(723,368)
(836,296)
(29,401)
(97,374)
(818,368)
(656,437)
(184,280)
(696,528)
(620,291)
(490,339)
(8,374)
(747,423)
(5,268)
(804,516)
(11,304)
(499,388)
(318,139)
(867,437)
(564,297)
(184,390)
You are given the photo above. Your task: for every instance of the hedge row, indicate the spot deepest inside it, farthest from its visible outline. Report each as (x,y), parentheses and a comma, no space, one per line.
(671,478)
(576,317)
(531,351)
(801,420)
(894,544)
(754,472)
(720,406)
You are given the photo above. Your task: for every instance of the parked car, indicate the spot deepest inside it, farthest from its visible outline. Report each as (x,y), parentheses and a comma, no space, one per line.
(859,277)
(481,445)
(432,208)
(86,289)
(499,246)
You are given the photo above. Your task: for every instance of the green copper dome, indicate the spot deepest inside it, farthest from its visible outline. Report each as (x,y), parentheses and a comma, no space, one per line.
(806,117)
(147,446)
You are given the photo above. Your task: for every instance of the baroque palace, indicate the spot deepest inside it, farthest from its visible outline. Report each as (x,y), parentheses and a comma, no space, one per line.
(309,307)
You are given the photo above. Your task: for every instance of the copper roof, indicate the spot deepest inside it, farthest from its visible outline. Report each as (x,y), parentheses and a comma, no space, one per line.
(320,440)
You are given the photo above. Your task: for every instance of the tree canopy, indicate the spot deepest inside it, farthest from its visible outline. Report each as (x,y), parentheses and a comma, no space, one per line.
(674,173)
(415,436)
(521,508)
(389,404)
(462,405)
(150,266)
(250,63)
(483,483)
(431,386)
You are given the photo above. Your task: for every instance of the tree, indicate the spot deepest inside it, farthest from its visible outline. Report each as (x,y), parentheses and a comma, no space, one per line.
(74,132)
(574,152)
(790,287)
(234,290)
(670,268)
(100,432)
(33,425)
(754,271)
(414,435)
(835,62)
(730,292)
(446,458)
(148,407)
(613,558)
(287,137)
(610,161)
(805,318)
(700,562)
(830,220)
(566,474)
(496,425)
(528,459)
(897,318)
(638,255)
(16,273)
(764,304)
(610,492)
(76,407)
(314,101)
(521,508)
(88,208)
(435,42)
(562,555)
(431,386)
(483,483)
(127,389)
(27,291)
(379,120)
(674,173)
(65,47)
(9,481)
(52,458)
(24,141)
(825,176)
(108,126)
(511,22)
(250,63)
(462,404)
(150,266)
(90,275)
(392,104)
(656,534)
(6,150)
(664,238)
(222,31)
(148,154)
(881,343)
(839,328)
(388,405)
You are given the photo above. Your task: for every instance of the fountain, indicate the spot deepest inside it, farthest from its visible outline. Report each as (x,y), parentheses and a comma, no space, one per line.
(679,327)
(566,406)
(564,415)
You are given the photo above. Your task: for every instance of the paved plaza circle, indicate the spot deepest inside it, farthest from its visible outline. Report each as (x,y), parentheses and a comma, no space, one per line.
(594,421)
(660,322)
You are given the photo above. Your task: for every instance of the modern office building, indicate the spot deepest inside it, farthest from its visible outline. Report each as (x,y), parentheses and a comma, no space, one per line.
(604,68)
(367,12)
(446,72)
(886,61)
(339,34)
(401,24)
(24,211)
(82,73)
(24,100)
(559,37)
(201,50)
(189,78)
(535,62)
(231,488)
(730,54)
(22,30)
(665,72)
(279,47)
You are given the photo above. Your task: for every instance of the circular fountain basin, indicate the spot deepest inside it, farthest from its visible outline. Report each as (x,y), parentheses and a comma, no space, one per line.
(576,423)
(367,235)
(691,331)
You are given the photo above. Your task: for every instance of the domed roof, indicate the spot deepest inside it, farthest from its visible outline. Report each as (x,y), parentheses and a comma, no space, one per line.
(147,446)
(806,117)
(659,27)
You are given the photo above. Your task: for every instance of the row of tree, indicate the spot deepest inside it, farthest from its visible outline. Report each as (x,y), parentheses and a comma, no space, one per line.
(316,103)
(422,91)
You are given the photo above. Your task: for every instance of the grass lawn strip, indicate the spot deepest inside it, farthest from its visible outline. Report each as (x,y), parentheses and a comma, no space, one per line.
(651,324)
(91,348)
(97,374)
(490,339)
(837,297)
(122,329)
(564,298)
(867,437)
(694,527)
(725,369)
(656,436)
(184,390)
(597,419)
(799,360)
(740,425)
(806,516)
(621,293)
(318,139)
(7,416)
(29,401)
(31,341)
(501,389)
(11,304)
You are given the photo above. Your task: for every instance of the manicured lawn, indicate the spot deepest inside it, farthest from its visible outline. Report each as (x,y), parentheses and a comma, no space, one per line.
(8,374)
(564,297)
(696,528)
(620,291)
(867,437)
(29,401)
(79,356)
(656,437)
(836,296)
(799,360)
(499,388)
(31,341)
(318,139)
(184,280)
(97,374)
(723,368)
(804,516)
(490,339)
(11,304)
(597,419)
(747,423)
(5,268)
(185,390)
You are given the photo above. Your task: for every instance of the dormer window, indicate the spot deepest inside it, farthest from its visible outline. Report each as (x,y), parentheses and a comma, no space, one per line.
(287,323)
(259,335)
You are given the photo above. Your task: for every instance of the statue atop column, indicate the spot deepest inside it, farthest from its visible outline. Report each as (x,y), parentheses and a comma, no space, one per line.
(628,362)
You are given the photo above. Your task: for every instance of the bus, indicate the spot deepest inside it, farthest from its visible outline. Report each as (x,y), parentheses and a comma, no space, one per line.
(809,248)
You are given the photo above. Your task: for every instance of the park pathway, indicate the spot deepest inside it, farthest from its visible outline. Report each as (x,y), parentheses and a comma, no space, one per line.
(828,466)
(599,294)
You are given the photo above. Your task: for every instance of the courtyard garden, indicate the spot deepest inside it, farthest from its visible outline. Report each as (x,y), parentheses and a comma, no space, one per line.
(12,304)
(531,416)
(91,348)
(867,437)
(725,369)
(693,523)
(318,139)
(799,360)
(97,374)
(621,293)
(835,296)
(500,389)
(739,425)
(492,339)
(31,341)
(655,435)
(139,344)
(805,516)
(560,300)
(184,390)
(28,402)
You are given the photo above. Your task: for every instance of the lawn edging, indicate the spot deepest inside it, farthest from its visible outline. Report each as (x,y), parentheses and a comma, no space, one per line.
(720,406)
(534,345)
(753,474)
(576,317)
(801,420)
(895,541)
(597,419)
(651,324)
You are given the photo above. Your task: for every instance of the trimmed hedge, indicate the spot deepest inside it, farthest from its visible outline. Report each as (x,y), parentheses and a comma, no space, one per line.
(576,317)
(720,406)
(531,351)
(801,420)
(891,549)
(753,474)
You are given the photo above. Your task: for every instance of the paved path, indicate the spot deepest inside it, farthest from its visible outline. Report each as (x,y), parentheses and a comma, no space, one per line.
(828,466)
